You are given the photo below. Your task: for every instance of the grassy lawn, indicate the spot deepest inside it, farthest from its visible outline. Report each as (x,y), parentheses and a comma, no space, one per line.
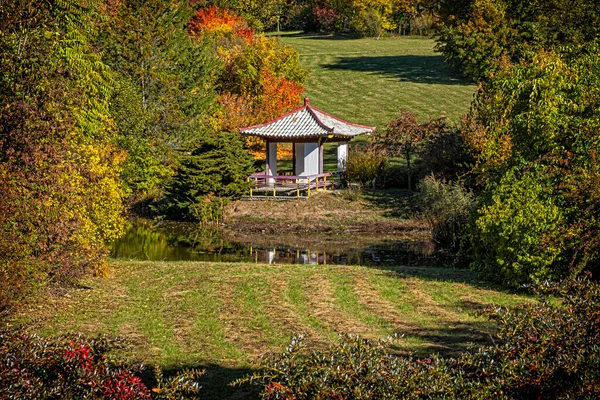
(222,316)
(368,80)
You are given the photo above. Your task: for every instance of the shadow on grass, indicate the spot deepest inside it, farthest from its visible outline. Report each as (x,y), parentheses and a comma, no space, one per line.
(401,203)
(428,69)
(447,273)
(215,382)
(450,341)
(316,35)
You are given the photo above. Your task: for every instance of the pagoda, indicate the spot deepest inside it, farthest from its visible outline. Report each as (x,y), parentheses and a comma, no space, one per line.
(308,129)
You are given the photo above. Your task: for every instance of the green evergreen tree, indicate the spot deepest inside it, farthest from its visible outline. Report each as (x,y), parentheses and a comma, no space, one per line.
(215,171)
(164,97)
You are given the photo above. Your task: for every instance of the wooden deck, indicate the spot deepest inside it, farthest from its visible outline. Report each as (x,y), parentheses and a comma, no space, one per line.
(289,185)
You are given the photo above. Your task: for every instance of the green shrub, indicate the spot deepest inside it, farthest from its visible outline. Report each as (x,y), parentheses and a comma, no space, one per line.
(365,166)
(547,349)
(215,171)
(514,232)
(74,366)
(353,369)
(446,208)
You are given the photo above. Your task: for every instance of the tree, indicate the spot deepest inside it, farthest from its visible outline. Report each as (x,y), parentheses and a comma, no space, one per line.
(534,134)
(261,78)
(59,169)
(477,36)
(405,137)
(214,171)
(165,94)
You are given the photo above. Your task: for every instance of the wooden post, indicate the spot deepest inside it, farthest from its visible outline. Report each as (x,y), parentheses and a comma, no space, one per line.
(324,258)
(248,180)
(297,188)
(317,184)
(324,183)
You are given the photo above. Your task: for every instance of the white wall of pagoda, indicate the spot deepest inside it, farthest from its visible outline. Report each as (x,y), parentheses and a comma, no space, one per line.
(311,159)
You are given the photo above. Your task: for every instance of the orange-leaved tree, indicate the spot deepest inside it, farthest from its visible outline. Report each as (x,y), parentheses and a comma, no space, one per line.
(261,79)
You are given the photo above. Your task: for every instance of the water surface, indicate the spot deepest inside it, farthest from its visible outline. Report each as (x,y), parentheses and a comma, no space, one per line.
(176,241)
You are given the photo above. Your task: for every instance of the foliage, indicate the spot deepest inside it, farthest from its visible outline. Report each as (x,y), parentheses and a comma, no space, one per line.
(446,207)
(365,166)
(444,154)
(165,93)
(325,18)
(261,79)
(405,136)
(515,231)
(362,17)
(75,366)
(219,23)
(477,36)
(215,170)
(533,133)
(547,349)
(59,169)
(542,350)
(261,15)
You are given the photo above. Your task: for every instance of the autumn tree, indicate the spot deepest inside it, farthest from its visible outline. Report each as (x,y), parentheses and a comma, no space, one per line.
(405,136)
(59,169)
(261,79)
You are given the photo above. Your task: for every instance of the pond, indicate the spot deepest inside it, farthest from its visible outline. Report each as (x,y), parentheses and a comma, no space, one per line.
(177,241)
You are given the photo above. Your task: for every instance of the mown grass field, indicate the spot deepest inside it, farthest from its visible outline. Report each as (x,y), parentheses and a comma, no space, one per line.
(222,316)
(368,80)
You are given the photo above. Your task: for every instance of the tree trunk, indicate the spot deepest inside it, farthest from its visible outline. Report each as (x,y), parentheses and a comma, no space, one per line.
(409,173)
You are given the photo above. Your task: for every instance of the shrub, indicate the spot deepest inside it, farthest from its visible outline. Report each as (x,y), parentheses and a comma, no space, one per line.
(446,208)
(513,238)
(365,166)
(74,366)
(547,349)
(444,154)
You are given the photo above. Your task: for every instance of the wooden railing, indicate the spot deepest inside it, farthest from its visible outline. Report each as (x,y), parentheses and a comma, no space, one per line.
(288,184)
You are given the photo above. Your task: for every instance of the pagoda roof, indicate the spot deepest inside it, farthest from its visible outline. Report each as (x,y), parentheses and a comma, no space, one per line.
(306,122)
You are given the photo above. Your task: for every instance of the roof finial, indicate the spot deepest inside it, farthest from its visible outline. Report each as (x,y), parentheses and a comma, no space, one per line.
(306,101)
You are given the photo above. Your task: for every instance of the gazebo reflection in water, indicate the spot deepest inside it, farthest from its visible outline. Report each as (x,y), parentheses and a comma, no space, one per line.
(282,256)
(307,128)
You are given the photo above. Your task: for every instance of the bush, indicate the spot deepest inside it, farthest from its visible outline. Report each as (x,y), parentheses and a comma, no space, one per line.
(365,166)
(74,366)
(547,349)
(444,154)
(446,208)
(514,234)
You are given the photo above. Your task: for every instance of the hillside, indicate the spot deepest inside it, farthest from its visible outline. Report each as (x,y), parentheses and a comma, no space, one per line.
(367,80)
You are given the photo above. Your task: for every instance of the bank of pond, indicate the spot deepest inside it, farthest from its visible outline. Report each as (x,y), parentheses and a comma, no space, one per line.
(181,241)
